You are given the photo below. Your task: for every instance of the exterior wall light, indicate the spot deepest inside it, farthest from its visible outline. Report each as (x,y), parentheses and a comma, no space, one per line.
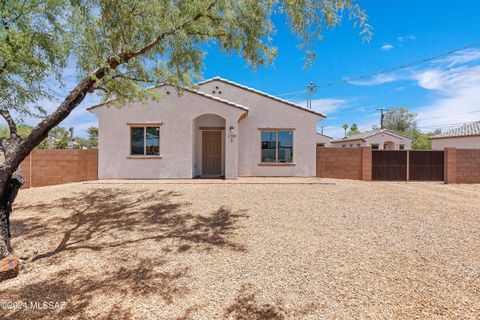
(232,134)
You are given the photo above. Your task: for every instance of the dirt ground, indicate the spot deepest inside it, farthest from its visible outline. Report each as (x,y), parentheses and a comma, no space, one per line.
(329,250)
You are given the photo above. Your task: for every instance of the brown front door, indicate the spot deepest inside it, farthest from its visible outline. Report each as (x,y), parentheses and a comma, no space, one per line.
(212,153)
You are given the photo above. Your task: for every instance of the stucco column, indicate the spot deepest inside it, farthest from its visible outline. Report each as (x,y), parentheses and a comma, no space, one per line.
(366,163)
(450,165)
(231,149)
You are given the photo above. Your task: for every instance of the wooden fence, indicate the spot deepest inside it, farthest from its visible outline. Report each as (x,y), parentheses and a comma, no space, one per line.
(45,167)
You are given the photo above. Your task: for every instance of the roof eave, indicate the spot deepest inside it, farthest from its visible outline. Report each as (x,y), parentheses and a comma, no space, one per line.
(198,92)
(458,136)
(262,94)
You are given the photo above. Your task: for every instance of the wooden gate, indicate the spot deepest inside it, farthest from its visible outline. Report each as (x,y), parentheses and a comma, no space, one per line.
(426,165)
(389,165)
(403,165)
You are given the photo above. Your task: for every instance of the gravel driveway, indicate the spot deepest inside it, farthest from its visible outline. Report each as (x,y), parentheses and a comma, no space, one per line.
(335,250)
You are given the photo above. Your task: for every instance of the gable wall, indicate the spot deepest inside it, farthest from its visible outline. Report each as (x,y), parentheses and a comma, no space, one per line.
(265,112)
(458,142)
(340,144)
(177,147)
(381,138)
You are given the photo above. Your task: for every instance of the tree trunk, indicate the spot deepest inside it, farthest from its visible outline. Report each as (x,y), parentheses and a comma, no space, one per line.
(18,150)
(6,201)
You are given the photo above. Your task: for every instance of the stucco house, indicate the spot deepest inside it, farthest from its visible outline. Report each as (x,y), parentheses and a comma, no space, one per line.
(464,137)
(220,129)
(382,139)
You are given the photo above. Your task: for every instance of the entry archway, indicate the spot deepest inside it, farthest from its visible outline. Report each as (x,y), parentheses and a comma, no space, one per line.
(209,146)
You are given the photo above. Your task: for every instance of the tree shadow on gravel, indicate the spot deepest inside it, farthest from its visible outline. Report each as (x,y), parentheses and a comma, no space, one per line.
(80,292)
(111,218)
(246,306)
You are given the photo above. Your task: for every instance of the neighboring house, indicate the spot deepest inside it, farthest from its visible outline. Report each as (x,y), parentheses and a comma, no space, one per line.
(221,129)
(466,136)
(323,140)
(378,139)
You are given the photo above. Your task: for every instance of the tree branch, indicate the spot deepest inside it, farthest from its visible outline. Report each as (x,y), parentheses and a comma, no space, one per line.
(11,123)
(127,77)
(85,86)
(123,57)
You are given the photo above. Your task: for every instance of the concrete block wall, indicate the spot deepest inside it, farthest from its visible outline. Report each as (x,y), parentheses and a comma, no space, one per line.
(344,163)
(462,165)
(50,167)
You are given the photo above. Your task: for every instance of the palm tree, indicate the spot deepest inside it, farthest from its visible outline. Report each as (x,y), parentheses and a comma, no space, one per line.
(345,127)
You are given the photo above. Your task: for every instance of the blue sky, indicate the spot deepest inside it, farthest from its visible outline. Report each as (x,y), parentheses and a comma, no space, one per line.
(444,92)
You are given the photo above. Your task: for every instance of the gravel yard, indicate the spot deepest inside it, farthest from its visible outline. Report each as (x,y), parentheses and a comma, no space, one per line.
(337,249)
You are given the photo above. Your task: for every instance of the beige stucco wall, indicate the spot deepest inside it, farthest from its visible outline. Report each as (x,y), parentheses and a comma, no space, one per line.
(322,139)
(177,133)
(265,112)
(380,139)
(460,142)
(347,144)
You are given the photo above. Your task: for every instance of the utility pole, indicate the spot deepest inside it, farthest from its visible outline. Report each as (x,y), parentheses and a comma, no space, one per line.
(311,88)
(382,117)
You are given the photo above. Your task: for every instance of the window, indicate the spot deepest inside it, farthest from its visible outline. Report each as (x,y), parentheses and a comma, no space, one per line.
(375,146)
(351,145)
(145,141)
(358,145)
(277,146)
(402,147)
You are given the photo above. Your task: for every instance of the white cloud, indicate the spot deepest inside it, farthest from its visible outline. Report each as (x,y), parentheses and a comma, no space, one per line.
(387,47)
(450,111)
(456,88)
(375,80)
(325,105)
(406,38)
(430,79)
(463,57)
(333,131)
(452,84)
(80,119)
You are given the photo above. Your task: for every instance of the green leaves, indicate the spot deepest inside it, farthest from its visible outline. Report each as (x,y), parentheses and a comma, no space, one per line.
(401,120)
(34,45)
(138,43)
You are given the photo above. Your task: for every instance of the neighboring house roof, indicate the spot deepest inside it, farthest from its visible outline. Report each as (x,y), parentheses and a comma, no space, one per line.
(368,134)
(469,129)
(203,94)
(321,134)
(263,94)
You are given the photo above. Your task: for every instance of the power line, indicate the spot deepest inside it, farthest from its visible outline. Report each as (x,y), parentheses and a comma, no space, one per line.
(290,93)
(448,116)
(446,125)
(311,86)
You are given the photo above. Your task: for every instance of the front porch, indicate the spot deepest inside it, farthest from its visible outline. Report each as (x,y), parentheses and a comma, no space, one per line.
(213,157)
